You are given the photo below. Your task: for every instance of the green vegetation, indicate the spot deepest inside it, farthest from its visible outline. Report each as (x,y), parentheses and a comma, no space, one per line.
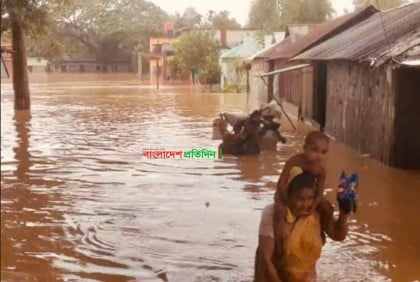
(197,51)
(21,19)
(192,19)
(383,4)
(211,72)
(272,15)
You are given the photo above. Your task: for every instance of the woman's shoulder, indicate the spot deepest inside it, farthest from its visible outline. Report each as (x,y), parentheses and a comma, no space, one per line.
(266,223)
(268,210)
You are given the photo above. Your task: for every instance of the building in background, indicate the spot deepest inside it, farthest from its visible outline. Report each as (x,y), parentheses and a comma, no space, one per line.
(370,85)
(6,60)
(37,65)
(234,74)
(293,81)
(90,64)
(164,46)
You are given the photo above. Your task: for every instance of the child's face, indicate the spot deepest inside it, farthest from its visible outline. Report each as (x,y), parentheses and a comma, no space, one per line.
(316,152)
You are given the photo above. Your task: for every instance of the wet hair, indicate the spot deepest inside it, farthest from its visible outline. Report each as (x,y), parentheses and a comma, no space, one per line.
(268,117)
(301,181)
(315,136)
(255,113)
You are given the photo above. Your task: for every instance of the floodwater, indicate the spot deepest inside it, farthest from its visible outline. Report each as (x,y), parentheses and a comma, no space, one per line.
(80,203)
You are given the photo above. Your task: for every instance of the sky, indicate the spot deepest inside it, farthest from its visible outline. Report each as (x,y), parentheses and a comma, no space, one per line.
(239,9)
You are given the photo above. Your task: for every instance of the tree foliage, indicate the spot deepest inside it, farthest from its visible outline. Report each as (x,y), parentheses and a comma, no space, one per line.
(31,14)
(383,4)
(220,20)
(211,71)
(272,15)
(195,50)
(112,28)
(22,18)
(306,11)
(215,20)
(189,19)
(264,14)
(103,29)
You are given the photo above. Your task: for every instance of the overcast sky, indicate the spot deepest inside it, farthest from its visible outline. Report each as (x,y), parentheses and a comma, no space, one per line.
(239,9)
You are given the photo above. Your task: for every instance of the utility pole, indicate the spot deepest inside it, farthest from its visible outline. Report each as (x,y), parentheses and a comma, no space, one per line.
(157,55)
(157,73)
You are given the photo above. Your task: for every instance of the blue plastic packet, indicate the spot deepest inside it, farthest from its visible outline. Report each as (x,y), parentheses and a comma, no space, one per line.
(346,192)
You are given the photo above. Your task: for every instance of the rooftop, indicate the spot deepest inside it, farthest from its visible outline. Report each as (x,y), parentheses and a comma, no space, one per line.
(247,48)
(369,40)
(291,47)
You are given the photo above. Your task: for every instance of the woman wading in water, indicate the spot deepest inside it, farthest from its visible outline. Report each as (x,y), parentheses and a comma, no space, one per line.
(293,256)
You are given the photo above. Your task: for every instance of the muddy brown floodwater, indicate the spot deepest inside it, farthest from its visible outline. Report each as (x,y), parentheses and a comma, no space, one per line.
(80,203)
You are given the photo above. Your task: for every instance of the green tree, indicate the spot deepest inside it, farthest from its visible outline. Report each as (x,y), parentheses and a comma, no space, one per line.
(22,18)
(221,20)
(175,66)
(189,19)
(113,28)
(48,44)
(383,4)
(238,64)
(264,14)
(305,11)
(271,15)
(211,71)
(193,50)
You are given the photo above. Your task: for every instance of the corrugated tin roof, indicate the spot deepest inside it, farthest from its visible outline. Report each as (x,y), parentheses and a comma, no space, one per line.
(259,54)
(247,48)
(285,69)
(367,40)
(292,47)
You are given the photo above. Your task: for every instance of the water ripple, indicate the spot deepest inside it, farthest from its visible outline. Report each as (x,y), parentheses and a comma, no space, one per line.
(80,202)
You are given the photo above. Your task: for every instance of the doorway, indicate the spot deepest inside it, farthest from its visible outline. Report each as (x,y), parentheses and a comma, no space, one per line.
(407,119)
(320,94)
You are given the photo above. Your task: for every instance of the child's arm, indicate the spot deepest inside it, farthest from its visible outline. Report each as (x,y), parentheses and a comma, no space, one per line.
(320,186)
(281,191)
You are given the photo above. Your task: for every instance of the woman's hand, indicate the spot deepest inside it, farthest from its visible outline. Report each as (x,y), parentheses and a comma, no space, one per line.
(346,203)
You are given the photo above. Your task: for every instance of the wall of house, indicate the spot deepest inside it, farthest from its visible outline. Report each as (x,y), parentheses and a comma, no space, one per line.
(8,61)
(407,119)
(91,67)
(77,67)
(360,107)
(120,67)
(258,89)
(295,87)
(164,71)
(230,78)
(37,69)
(231,37)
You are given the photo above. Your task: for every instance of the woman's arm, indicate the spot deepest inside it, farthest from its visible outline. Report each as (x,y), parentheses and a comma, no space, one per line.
(336,229)
(266,245)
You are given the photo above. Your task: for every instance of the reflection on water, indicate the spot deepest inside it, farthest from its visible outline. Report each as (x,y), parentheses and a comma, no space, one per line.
(79,202)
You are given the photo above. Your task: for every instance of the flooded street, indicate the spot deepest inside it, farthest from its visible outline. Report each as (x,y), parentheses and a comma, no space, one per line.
(79,202)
